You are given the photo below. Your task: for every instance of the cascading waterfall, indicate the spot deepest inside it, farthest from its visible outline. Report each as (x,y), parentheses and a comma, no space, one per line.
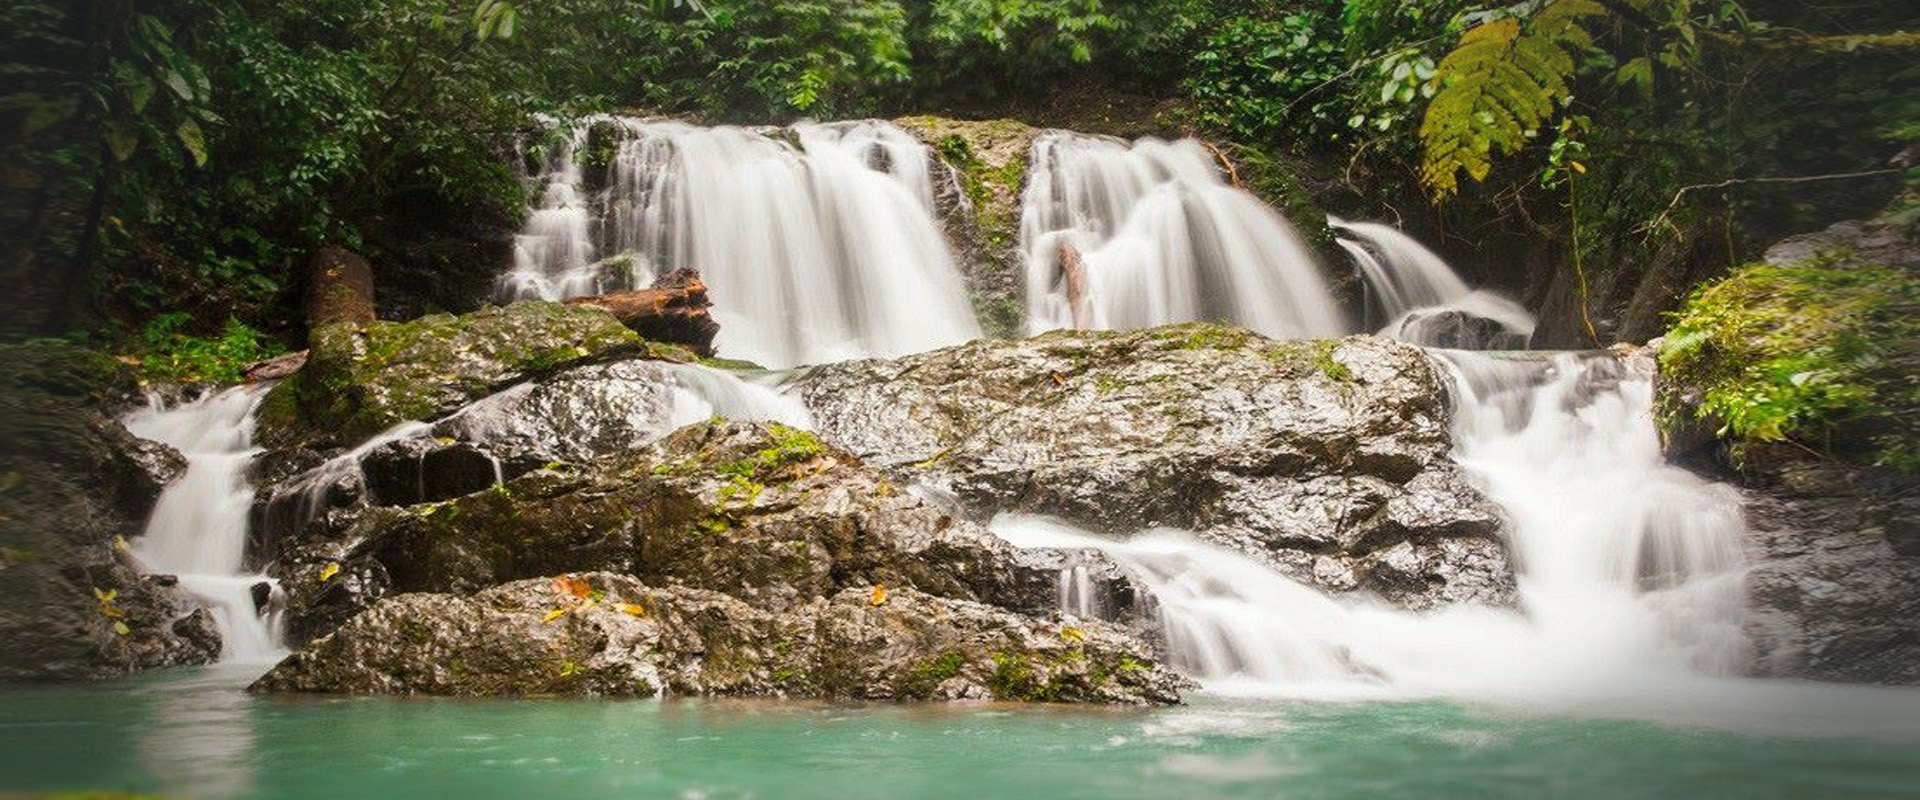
(1629,568)
(1421,299)
(198,530)
(817,242)
(1161,237)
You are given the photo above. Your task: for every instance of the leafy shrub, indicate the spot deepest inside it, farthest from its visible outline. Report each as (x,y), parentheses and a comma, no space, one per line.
(167,353)
(1814,352)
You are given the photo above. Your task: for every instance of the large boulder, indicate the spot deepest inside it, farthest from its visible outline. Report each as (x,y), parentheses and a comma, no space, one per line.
(1326,459)
(75,486)
(1835,588)
(761,511)
(610,634)
(361,380)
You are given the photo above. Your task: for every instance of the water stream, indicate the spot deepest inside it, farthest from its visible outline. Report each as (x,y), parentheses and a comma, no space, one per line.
(817,242)
(1418,297)
(1630,574)
(198,529)
(1161,237)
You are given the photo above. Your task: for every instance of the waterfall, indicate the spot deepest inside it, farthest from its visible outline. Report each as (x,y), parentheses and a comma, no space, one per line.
(817,242)
(198,530)
(1629,569)
(1161,237)
(1422,299)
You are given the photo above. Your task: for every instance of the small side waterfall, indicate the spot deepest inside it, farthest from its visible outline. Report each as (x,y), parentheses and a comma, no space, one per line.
(1420,299)
(198,530)
(817,243)
(1630,570)
(1159,237)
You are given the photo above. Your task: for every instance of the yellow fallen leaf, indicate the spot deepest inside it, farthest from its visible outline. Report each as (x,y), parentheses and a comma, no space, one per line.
(121,628)
(331,569)
(1072,635)
(631,609)
(879,595)
(553,615)
(105,595)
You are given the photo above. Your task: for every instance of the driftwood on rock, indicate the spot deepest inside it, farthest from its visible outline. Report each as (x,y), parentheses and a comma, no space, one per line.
(279,366)
(1075,272)
(339,288)
(674,310)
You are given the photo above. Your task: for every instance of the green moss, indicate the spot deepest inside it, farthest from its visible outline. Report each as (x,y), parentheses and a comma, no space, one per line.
(790,446)
(1815,352)
(1203,336)
(361,380)
(1014,679)
(731,364)
(921,679)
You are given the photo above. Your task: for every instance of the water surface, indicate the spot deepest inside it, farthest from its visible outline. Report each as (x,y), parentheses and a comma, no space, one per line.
(194,733)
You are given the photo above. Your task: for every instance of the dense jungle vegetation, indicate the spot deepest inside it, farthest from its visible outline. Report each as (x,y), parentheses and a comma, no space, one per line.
(170,163)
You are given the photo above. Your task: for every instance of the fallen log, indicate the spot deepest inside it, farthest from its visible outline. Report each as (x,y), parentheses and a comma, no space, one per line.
(673,310)
(274,368)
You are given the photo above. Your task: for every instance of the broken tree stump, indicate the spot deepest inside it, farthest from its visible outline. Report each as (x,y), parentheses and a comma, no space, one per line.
(673,310)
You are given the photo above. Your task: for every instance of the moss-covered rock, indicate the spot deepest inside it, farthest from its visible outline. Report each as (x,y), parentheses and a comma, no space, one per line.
(610,634)
(360,381)
(74,487)
(1820,351)
(1794,377)
(980,207)
(1319,457)
(764,512)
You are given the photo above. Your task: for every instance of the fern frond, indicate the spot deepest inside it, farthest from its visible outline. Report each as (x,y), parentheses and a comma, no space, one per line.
(1502,82)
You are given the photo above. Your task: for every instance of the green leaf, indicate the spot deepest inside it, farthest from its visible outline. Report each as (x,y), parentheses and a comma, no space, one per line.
(192,139)
(138,93)
(122,140)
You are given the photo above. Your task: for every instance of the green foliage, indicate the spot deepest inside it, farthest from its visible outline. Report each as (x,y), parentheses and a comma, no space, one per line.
(167,353)
(790,446)
(1815,352)
(1506,78)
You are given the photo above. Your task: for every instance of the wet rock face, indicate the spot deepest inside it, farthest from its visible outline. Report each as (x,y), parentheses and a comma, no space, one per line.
(74,486)
(570,415)
(610,634)
(359,381)
(1835,590)
(760,511)
(1326,459)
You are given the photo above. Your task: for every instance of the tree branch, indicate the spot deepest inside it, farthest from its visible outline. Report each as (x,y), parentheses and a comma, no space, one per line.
(1663,218)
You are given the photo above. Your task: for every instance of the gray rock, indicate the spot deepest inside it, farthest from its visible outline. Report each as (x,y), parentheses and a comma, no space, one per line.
(1289,451)
(760,511)
(75,485)
(607,634)
(1833,595)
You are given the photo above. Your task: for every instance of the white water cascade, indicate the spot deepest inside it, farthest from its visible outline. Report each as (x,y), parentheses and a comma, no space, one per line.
(198,530)
(1162,238)
(1416,290)
(817,242)
(1630,570)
